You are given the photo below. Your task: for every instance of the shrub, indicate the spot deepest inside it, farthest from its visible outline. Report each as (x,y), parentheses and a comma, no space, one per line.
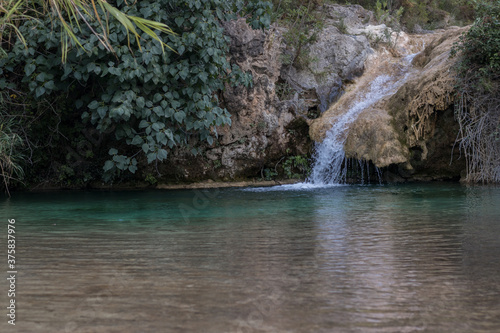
(148,99)
(478,89)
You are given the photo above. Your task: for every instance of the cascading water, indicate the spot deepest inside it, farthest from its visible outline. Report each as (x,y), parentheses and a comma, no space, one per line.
(329,157)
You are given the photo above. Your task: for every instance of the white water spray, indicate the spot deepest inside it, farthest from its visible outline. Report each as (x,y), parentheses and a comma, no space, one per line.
(329,155)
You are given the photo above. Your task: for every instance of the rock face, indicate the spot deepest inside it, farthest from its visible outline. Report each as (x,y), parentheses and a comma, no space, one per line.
(335,57)
(263,129)
(410,133)
(423,114)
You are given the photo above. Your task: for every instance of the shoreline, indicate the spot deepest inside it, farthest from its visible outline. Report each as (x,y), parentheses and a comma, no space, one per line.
(164,186)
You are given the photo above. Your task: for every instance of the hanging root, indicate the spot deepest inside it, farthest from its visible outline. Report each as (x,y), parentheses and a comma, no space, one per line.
(478,113)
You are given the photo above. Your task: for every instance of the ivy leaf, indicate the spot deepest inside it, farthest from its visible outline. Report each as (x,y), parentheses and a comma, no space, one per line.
(49,85)
(203,77)
(29,69)
(140,102)
(180,116)
(151,157)
(39,91)
(179,20)
(93,105)
(162,154)
(184,73)
(108,165)
(137,140)
(102,111)
(158,126)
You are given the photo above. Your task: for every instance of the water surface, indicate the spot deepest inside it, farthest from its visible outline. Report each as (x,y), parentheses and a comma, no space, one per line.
(406,258)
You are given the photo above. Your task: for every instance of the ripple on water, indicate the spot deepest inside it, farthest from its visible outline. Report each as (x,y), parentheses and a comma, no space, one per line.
(402,258)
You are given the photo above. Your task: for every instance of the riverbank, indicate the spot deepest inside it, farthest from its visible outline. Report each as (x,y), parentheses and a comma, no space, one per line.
(167,186)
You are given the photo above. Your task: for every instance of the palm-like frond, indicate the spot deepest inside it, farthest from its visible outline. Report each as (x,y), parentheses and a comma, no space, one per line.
(71,14)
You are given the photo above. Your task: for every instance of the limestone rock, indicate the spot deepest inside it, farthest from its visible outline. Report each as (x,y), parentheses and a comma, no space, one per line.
(261,128)
(423,112)
(335,56)
(372,138)
(414,128)
(411,132)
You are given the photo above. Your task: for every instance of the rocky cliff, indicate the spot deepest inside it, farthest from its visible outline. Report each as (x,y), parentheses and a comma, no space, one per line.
(409,134)
(412,133)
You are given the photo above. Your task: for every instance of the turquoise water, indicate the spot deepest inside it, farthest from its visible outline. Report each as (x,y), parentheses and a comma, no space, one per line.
(402,258)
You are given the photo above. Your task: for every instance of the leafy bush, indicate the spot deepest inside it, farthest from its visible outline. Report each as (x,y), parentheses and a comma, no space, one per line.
(10,156)
(303,24)
(480,46)
(478,87)
(296,167)
(150,100)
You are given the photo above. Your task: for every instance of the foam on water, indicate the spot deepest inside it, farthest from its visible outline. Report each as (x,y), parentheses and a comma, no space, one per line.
(305,186)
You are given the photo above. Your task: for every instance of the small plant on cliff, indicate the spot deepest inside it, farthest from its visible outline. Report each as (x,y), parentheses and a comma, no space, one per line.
(303,23)
(296,167)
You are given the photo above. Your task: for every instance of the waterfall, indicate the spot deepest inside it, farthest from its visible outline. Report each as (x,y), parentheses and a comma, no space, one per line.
(329,166)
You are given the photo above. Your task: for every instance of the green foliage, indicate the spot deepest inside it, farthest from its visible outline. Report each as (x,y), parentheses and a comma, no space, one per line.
(342,27)
(70,15)
(150,100)
(296,167)
(293,167)
(381,10)
(303,24)
(151,179)
(480,46)
(269,174)
(217,164)
(284,90)
(478,90)
(11,158)
(385,13)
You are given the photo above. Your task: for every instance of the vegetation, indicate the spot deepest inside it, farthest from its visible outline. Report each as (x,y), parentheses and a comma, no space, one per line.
(88,89)
(303,24)
(478,86)
(427,14)
(143,98)
(10,156)
(288,167)
(70,14)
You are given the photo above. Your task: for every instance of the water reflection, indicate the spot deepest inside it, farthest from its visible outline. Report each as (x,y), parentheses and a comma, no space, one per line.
(345,259)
